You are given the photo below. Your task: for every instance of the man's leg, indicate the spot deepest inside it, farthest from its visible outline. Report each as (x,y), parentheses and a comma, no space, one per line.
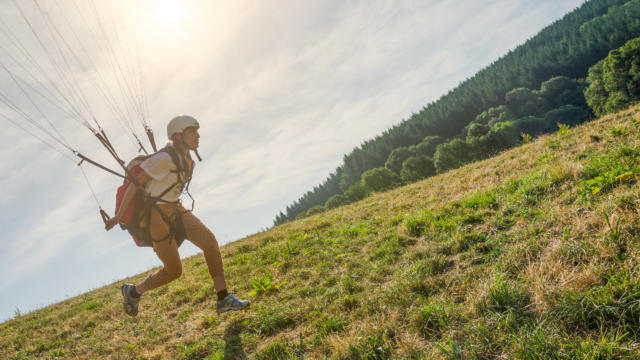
(166,250)
(202,237)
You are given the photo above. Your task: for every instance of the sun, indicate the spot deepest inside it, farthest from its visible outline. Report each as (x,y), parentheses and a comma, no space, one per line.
(168,12)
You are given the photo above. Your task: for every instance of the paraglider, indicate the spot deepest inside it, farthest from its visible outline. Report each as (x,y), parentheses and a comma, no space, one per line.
(51,75)
(163,223)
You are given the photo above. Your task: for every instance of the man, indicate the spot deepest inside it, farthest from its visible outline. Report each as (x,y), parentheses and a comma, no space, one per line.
(168,221)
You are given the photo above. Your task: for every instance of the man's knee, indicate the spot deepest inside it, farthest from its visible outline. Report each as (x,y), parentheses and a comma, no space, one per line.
(174,272)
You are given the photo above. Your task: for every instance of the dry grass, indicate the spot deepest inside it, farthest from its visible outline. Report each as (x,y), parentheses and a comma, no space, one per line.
(498,259)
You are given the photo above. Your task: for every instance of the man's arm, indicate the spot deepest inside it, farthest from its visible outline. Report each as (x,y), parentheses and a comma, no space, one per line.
(142,179)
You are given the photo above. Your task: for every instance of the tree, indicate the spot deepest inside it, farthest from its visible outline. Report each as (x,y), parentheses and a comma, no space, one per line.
(552,89)
(525,102)
(397,157)
(336,201)
(316,210)
(357,192)
(476,130)
(596,95)
(501,136)
(567,114)
(417,168)
(380,179)
(532,125)
(281,218)
(573,97)
(569,47)
(495,114)
(452,155)
(614,82)
(428,146)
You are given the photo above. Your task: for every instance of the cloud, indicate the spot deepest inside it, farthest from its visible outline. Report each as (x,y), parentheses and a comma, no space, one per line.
(45,237)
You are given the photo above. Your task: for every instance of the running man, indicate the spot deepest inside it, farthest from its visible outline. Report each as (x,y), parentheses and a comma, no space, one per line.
(169,222)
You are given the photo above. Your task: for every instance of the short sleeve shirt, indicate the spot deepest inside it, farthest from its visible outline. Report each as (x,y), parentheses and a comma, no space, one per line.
(161,169)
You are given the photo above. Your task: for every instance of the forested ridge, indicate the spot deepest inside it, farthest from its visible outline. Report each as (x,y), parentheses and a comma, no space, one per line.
(568,47)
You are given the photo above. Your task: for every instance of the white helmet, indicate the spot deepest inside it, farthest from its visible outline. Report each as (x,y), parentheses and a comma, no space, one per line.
(179,123)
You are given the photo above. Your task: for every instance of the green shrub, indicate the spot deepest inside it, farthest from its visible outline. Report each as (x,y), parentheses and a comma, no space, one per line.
(336,201)
(532,125)
(315,210)
(428,146)
(476,130)
(380,179)
(452,155)
(613,81)
(397,157)
(502,136)
(525,102)
(567,114)
(357,192)
(494,115)
(417,168)
(561,90)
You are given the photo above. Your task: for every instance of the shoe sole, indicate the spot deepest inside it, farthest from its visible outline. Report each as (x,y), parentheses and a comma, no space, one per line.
(224,310)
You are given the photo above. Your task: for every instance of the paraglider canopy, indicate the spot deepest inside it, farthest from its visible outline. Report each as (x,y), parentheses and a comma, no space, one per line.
(74,65)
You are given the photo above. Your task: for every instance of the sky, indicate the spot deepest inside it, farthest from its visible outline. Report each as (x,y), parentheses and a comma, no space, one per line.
(282,90)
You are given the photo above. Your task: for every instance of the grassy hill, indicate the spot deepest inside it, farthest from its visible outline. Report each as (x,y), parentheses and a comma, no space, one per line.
(531,254)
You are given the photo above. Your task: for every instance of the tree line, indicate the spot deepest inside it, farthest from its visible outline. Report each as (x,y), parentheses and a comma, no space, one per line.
(563,51)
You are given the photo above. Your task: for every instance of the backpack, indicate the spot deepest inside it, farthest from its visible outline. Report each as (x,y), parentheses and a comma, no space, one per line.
(140,207)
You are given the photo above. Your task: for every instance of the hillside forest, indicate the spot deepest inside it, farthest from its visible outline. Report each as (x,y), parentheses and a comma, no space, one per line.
(574,69)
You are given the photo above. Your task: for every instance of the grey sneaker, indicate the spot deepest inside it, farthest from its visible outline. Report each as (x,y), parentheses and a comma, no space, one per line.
(130,302)
(231,302)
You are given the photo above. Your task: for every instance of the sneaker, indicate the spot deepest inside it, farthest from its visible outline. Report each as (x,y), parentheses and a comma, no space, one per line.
(130,302)
(231,302)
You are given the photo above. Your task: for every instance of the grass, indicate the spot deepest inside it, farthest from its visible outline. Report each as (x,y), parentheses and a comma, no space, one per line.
(518,256)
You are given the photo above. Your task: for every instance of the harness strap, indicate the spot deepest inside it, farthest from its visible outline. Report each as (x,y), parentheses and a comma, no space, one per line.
(166,219)
(105,216)
(180,171)
(151,202)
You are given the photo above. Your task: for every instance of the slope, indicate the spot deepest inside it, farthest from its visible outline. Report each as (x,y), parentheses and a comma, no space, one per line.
(530,254)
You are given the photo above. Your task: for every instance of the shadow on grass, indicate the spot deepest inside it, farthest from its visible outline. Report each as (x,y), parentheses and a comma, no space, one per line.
(233,341)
